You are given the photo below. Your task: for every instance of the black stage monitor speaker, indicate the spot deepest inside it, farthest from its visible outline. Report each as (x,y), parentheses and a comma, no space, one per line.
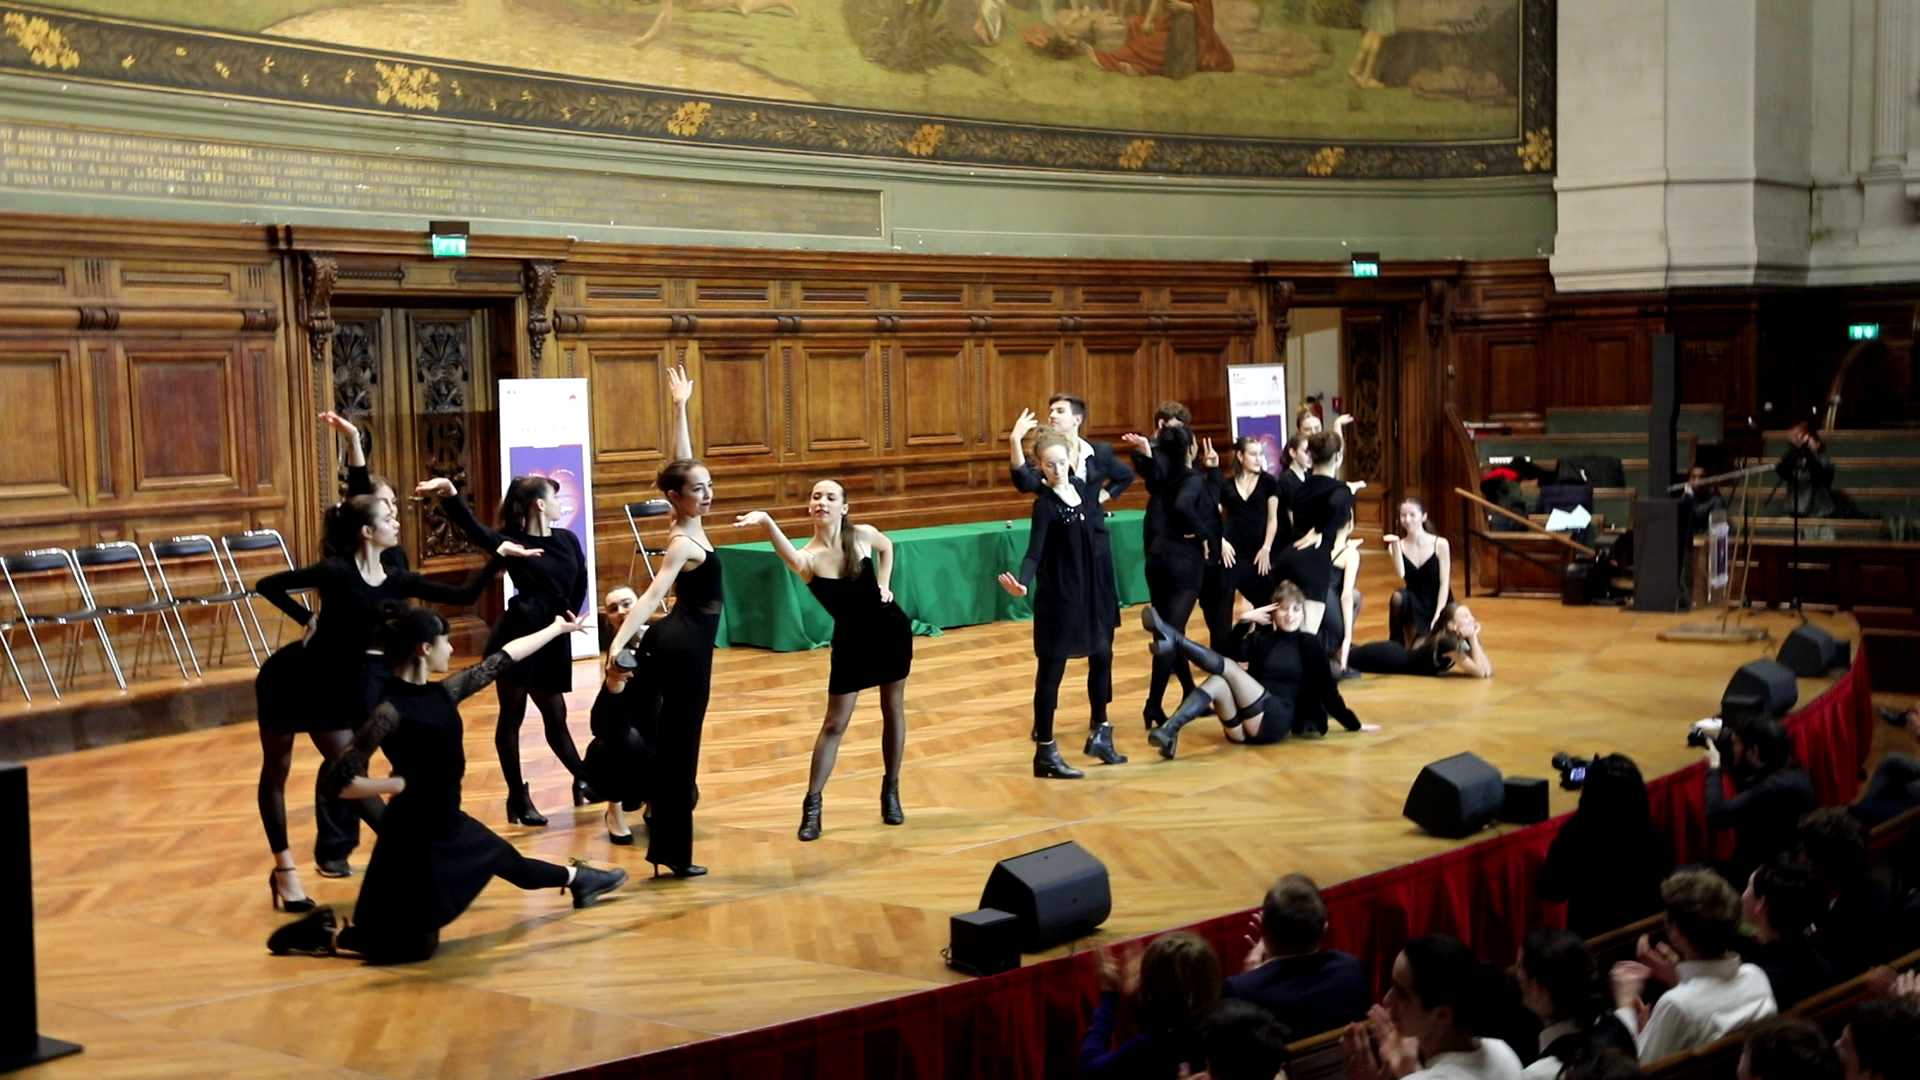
(1812,652)
(1456,796)
(1525,801)
(1057,893)
(984,942)
(1762,688)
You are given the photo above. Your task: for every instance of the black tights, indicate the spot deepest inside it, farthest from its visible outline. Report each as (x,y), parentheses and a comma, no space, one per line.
(1046,692)
(334,819)
(553,716)
(1407,617)
(893,733)
(1174,606)
(399,943)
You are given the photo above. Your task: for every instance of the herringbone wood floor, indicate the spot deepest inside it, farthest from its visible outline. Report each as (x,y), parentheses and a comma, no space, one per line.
(149,861)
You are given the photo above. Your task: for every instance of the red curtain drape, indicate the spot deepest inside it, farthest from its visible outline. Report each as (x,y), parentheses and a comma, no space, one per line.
(1027,1023)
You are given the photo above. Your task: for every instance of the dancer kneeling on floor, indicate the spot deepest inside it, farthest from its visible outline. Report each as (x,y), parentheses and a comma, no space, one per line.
(430,860)
(1287,687)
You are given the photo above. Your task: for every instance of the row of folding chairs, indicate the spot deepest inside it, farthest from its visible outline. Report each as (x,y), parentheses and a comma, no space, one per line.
(70,590)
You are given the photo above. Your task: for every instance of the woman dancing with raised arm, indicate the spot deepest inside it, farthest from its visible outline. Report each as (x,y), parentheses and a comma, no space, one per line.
(1075,607)
(1424,562)
(552,581)
(1322,507)
(849,568)
(327,689)
(1285,689)
(1451,648)
(1177,564)
(677,651)
(430,860)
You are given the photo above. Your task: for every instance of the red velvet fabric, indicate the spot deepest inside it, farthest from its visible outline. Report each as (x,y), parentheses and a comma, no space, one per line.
(1027,1023)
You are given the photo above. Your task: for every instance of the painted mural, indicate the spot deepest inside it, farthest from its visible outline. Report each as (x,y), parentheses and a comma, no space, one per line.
(1310,88)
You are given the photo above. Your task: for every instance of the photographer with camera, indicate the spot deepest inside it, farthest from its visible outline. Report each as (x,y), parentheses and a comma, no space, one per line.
(1608,860)
(1772,794)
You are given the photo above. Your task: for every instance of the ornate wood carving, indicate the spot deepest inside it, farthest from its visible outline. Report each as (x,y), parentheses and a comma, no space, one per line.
(1369,345)
(1280,308)
(1436,312)
(442,354)
(539,279)
(321,273)
(356,367)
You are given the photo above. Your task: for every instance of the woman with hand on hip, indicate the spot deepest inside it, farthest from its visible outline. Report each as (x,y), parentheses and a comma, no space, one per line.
(848,568)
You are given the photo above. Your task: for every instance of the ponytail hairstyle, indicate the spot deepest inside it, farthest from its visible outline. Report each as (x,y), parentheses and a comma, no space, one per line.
(849,542)
(1240,446)
(340,529)
(517,508)
(672,478)
(403,628)
(1174,444)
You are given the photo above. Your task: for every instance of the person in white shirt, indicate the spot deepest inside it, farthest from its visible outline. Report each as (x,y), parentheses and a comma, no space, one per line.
(1428,1027)
(1560,984)
(1713,994)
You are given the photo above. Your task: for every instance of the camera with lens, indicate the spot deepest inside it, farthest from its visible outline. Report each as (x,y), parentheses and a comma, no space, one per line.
(1573,770)
(1705,731)
(628,658)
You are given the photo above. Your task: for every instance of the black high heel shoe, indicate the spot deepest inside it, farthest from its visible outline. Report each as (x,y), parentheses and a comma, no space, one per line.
(583,793)
(311,935)
(890,812)
(281,903)
(810,816)
(689,870)
(614,837)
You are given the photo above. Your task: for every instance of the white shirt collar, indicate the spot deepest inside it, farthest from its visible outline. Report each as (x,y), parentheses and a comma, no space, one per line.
(1554,1032)
(1726,967)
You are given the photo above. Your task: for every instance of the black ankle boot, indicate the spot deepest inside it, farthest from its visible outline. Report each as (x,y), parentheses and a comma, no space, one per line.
(520,809)
(1154,715)
(1168,641)
(890,812)
(1048,765)
(1100,745)
(810,816)
(583,793)
(1167,735)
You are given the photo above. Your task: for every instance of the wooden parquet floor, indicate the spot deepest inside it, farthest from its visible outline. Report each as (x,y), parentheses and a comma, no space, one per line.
(148,857)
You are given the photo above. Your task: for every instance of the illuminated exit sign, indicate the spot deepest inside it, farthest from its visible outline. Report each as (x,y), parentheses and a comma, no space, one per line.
(1863,331)
(449,247)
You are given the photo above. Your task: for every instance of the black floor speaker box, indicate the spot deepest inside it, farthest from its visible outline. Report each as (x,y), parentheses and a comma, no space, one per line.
(1058,893)
(1524,801)
(1456,796)
(1811,652)
(984,942)
(1762,688)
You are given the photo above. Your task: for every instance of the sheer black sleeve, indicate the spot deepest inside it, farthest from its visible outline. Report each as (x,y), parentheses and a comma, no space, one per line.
(439,592)
(355,762)
(470,681)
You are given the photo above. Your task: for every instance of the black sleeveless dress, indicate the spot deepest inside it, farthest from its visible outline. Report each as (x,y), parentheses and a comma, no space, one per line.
(1321,503)
(872,641)
(676,656)
(1423,589)
(1246,530)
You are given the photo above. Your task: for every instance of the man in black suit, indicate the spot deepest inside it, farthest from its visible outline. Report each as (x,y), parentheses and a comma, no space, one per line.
(1310,989)
(1093,462)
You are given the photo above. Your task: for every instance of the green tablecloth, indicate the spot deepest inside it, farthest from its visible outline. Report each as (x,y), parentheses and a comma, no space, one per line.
(942,576)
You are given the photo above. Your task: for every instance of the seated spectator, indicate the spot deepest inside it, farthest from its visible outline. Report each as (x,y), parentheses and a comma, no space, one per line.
(1713,994)
(1881,1042)
(1560,984)
(1429,1027)
(1860,926)
(1607,862)
(1782,900)
(1788,1048)
(1305,987)
(1244,1042)
(1172,986)
(1895,787)
(1773,794)
(1611,1065)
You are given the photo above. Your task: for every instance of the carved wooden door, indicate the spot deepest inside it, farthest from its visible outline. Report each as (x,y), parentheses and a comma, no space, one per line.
(418,384)
(1369,363)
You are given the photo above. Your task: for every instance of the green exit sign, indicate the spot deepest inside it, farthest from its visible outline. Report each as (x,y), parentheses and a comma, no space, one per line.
(449,247)
(1366,264)
(1863,331)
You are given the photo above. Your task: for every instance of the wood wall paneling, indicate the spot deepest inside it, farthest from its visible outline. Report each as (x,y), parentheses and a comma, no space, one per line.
(1023,374)
(1514,387)
(934,392)
(1118,379)
(1195,376)
(736,398)
(40,386)
(839,390)
(184,405)
(627,387)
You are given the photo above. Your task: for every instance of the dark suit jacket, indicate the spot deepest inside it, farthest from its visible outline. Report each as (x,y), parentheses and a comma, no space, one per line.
(1310,994)
(1104,473)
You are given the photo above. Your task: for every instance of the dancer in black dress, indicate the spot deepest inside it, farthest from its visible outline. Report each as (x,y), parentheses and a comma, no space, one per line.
(553,580)
(1321,508)
(1076,606)
(1184,545)
(1150,467)
(430,860)
(1286,687)
(1451,648)
(1424,562)
(848,568)
(676,653)
(1250,503)
(325,684)
(619,760)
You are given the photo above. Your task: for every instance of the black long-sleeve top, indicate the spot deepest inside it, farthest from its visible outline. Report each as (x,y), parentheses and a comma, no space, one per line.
(1765,818)
(1104,472)
(551,583)
(360,482)
(1292,668)
(1193,515)
(1606,873)
(350,603)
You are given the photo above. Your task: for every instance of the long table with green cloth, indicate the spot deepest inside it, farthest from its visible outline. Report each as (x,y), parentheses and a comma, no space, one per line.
(943,576)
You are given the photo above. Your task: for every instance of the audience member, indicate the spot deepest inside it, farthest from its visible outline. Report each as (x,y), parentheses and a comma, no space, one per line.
(1895,787)
(1881,1042)
(1860,925)
(1713,993)
(1773,794)
(1429,1027)
(1172,986)
(1560,984)
(1305,987)
(1244,1042)
(1788,1048)
(1611,1065)
(1608,861)
(1782,900)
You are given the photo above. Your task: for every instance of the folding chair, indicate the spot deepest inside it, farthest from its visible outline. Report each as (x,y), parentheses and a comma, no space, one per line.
(204,583)
(52,579)
(259,544)
(648,508)
(118,585)
(10,619)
